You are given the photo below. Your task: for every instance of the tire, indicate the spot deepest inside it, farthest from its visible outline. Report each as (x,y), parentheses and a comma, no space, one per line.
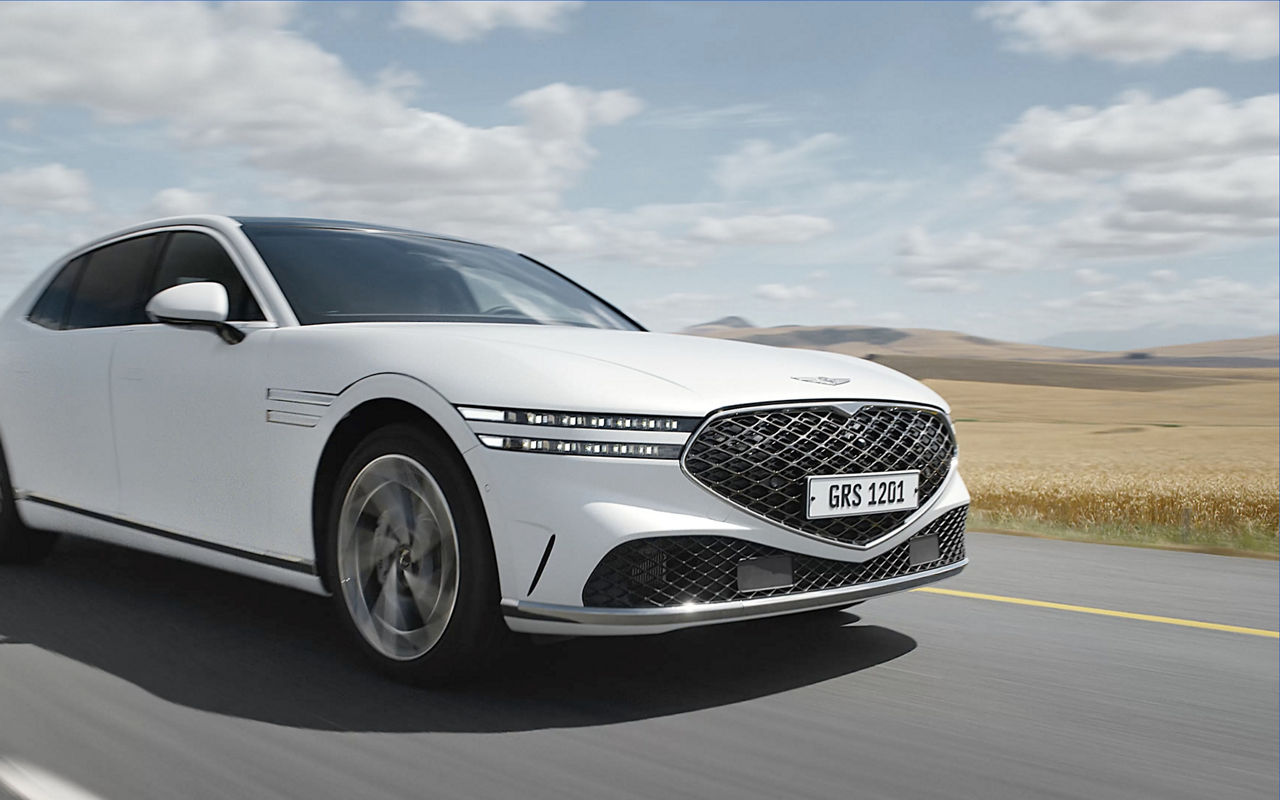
(410,558)
(18,543)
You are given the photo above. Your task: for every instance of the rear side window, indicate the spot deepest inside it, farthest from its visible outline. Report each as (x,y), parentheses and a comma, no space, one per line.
(194,257)
(51,309)
(110,290)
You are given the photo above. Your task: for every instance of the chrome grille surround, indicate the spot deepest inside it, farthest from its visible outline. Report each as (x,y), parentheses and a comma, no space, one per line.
(675,571)
(758,459)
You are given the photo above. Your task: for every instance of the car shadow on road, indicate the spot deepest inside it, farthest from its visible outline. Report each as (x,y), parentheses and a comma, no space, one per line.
(230,645)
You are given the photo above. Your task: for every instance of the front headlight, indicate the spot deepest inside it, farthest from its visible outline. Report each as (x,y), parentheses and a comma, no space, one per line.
(574,433)
(568,447)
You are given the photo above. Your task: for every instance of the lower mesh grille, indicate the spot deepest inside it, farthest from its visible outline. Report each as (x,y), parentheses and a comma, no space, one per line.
(675,570)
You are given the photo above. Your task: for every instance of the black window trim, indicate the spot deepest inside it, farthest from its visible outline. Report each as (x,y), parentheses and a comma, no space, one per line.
(87,253)
(55,274)
(151,270)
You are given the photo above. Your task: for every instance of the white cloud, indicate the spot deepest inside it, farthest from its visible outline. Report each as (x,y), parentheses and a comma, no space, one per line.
(922,256)
(1093,234)
(760,164)
(761,229)
(1135,32)
(782,293)
(325,141)
(464,21)
(1210,300)
(1240,197)
(1163,276)
(49,187)
(1147,177)
(561,112)
(398,81)
(1200,128)
(740,115)
(345,135)
(1092,277)
(175,201)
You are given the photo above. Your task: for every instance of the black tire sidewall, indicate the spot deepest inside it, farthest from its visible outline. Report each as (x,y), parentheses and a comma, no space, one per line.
(474,626)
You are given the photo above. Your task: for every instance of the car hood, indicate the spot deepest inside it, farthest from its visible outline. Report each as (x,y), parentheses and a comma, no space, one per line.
(582,369)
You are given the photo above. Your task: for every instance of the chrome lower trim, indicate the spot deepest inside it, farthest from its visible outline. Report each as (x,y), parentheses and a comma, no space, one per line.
(724,612)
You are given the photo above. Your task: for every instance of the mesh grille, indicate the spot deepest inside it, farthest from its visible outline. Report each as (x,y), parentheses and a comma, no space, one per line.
(674,570)
(760,460)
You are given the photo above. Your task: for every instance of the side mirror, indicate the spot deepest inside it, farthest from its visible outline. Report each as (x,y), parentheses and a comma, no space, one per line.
(202,304)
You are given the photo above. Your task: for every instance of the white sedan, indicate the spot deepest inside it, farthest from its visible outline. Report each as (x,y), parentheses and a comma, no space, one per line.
(453,440)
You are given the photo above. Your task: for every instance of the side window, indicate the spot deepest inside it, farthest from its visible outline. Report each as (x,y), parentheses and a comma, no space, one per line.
(193,257)
(110,289)
(51,309)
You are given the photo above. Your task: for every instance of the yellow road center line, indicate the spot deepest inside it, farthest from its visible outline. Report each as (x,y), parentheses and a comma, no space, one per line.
(1105,612)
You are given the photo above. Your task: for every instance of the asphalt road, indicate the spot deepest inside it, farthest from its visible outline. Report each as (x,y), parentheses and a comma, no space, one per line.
(134,677)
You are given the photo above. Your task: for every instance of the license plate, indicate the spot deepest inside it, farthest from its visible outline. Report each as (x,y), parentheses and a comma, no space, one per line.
(869,493)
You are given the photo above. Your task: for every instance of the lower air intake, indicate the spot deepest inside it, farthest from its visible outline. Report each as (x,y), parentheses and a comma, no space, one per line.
(676,570)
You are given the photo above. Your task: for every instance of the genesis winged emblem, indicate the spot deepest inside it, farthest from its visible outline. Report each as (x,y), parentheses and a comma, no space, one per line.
(822,380)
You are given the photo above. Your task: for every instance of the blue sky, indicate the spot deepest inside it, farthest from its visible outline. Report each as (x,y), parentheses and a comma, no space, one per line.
(1015,170)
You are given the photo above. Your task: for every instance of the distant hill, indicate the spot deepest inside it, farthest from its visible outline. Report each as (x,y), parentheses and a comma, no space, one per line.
(723,322)
(1260,347)
(1147,336)
(863,341)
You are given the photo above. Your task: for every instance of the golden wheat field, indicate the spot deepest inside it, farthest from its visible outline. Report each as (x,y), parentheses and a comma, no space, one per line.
(1195,467)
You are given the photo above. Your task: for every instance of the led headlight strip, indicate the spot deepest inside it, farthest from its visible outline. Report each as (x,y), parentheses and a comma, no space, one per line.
(573,419)
(572,447)
(630,423)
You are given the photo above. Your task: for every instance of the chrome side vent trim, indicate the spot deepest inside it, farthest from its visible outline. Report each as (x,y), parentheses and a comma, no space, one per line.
(298,408)
(306,398)
(292,418)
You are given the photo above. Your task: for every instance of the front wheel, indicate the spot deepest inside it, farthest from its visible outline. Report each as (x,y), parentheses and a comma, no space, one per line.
(411,561)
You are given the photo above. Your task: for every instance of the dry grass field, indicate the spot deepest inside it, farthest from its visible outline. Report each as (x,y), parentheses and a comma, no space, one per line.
(1192,466)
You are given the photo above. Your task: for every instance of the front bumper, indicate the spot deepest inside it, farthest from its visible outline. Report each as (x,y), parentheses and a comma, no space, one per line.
(554,519)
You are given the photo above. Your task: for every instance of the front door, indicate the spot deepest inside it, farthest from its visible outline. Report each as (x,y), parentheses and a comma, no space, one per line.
(189,409)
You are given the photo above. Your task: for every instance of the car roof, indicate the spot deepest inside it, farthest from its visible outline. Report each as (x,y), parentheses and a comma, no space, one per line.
(338,224)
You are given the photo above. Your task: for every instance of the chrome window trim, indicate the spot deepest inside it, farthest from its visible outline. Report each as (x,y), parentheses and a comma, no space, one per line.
(849,407)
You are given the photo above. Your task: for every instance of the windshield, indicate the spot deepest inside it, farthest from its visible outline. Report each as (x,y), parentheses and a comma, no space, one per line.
(341,275)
